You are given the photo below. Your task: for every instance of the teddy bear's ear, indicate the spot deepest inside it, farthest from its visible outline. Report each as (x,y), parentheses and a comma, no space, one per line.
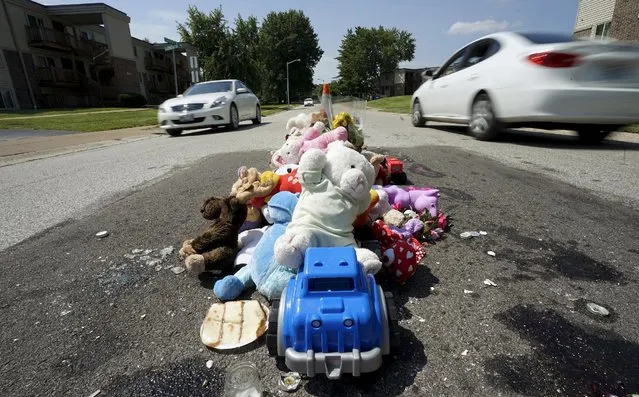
(335,145)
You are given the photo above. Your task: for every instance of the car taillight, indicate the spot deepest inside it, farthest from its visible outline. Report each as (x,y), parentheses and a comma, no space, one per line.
(554,59)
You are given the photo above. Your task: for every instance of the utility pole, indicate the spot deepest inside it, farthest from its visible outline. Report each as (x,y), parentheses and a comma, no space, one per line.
(288,98)
(175,77)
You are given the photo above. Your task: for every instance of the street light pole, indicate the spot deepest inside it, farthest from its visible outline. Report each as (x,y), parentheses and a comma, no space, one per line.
(288,98)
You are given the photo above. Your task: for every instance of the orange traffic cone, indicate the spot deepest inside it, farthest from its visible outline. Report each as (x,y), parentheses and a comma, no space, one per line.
(327,104)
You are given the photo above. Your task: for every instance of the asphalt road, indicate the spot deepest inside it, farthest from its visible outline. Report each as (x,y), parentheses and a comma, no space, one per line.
(81,314)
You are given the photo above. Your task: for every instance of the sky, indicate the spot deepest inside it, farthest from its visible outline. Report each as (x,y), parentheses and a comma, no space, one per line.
(439,27)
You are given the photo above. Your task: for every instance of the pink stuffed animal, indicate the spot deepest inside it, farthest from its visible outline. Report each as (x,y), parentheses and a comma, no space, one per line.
(292,150)
(314,139)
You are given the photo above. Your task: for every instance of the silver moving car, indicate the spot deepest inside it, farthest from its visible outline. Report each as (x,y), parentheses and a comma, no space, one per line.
(209,104)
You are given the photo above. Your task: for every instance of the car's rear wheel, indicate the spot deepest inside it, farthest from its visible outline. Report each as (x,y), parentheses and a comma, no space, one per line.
(234,118)
(591,134)
(174,132)
(258,115)
(483,124)
(417,116)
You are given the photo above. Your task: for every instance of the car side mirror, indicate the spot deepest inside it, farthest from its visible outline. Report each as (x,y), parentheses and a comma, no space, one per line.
(427,75)
(180,96)
(241,90)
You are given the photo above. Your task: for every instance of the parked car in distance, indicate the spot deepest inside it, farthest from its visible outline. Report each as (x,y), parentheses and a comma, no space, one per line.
(308,102)
(209,104)
(540,80)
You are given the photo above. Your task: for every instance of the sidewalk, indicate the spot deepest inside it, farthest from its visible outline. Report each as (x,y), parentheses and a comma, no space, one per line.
(24,149)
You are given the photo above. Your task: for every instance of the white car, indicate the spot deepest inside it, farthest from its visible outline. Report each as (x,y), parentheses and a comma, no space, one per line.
(539,80)
(308,102)
(210,104)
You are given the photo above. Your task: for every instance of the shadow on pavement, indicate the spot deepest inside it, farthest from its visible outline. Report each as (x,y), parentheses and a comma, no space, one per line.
(216,130)
(544,139)
(184,378)
(397,373)
(580,361)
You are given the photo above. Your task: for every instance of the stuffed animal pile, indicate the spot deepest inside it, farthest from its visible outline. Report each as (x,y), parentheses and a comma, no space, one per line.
(321,189)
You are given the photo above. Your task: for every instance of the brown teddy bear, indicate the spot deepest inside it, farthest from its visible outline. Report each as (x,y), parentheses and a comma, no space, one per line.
(216,248)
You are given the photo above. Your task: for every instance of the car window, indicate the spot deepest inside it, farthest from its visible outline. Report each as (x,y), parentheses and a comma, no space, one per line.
(209,88)
(454,65)
(239,84)
(482,51)
(548,38)
(331,284)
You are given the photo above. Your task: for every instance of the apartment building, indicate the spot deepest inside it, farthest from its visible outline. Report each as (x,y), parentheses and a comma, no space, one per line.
(603,19)
(79,55)
(402,81)
(155,70)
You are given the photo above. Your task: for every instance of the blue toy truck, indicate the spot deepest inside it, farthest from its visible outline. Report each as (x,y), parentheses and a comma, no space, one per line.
(332,318)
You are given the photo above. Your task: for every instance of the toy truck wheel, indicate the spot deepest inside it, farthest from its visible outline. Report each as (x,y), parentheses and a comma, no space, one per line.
(274,335)
(393,320)
(399,179)
(271,333)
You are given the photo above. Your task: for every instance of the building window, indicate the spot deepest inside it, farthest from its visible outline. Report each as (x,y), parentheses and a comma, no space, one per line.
(602,31)
(66,63)
(6,100)
(35,22)
(80,68)
(87,35)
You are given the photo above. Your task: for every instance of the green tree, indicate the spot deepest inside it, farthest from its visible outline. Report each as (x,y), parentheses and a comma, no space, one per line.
(285,36)
(366,53)
(246,49)
(210,35)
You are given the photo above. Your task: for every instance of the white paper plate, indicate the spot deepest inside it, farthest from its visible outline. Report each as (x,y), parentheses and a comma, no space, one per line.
(228,346)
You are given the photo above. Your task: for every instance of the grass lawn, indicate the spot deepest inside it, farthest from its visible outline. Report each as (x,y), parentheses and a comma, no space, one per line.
(268,110)
(83,122)
(69,120)
(631,128)
(395,104)
(52,112)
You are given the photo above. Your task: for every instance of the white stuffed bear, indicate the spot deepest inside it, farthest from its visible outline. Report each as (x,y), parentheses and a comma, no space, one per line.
(335,189)
(300,121)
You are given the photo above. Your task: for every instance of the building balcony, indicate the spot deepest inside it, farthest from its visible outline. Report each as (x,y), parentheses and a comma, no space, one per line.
(97,52)
(59,77)
(49,39)
(162,65)
(160,87)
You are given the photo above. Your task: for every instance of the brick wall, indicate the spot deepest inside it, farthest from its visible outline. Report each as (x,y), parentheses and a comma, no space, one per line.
(625,21)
